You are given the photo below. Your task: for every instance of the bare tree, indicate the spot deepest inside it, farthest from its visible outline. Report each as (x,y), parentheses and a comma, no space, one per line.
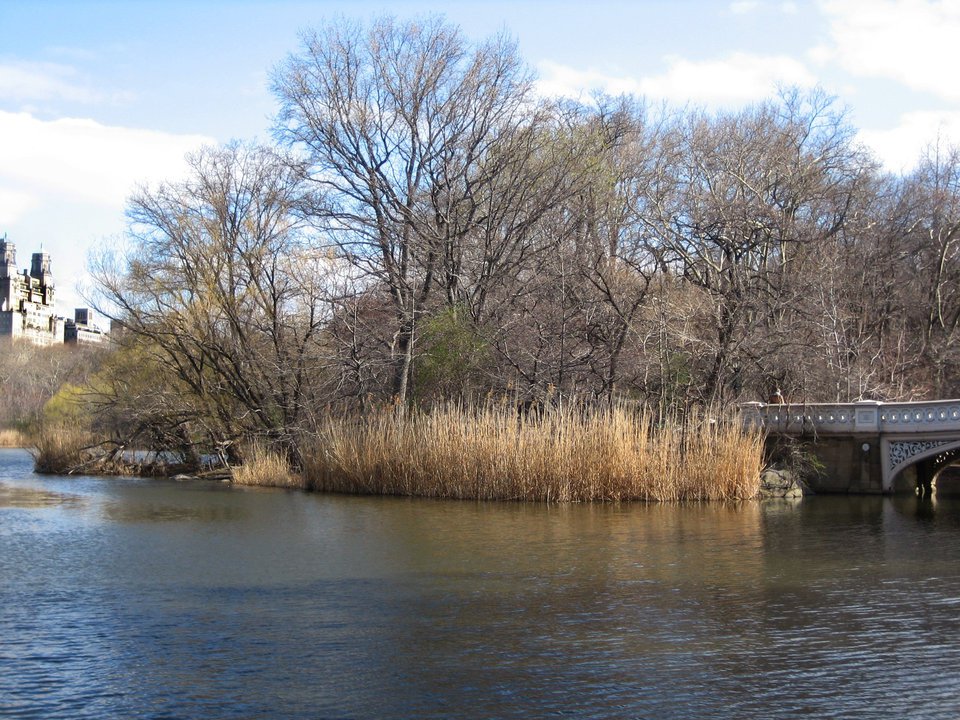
(221,289)
(930,211)
(617,257)
(431,159)
(749,191)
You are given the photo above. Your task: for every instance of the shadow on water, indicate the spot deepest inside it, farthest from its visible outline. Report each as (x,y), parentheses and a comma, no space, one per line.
(929,509)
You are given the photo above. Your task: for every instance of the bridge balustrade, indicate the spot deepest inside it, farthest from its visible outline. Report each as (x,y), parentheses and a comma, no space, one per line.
(851,418)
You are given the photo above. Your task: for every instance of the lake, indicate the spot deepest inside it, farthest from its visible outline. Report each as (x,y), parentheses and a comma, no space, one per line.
(132,598)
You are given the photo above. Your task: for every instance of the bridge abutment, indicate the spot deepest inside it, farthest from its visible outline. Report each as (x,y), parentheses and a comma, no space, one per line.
(840,463)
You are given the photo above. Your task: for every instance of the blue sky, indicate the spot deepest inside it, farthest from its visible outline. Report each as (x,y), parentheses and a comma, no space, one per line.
(96,97)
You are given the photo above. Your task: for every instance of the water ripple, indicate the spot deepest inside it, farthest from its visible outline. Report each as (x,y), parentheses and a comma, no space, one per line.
(147,600)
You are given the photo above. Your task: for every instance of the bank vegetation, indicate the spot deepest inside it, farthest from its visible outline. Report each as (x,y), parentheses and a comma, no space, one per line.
(428,232)
(565,455)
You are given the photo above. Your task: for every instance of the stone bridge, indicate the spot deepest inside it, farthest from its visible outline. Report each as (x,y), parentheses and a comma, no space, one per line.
(867,447)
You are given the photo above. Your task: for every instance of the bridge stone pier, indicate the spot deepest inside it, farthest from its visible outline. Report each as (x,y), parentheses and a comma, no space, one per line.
(867,447)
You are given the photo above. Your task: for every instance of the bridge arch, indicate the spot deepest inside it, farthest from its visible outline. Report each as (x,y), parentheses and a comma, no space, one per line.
(929,456)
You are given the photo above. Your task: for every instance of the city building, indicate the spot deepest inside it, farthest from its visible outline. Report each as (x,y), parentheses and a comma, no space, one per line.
(27,310)
(82,329)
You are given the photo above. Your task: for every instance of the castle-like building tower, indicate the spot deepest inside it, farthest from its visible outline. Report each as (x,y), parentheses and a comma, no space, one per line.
(27,310)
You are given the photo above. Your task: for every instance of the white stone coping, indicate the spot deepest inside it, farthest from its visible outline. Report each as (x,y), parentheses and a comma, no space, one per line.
(867,416)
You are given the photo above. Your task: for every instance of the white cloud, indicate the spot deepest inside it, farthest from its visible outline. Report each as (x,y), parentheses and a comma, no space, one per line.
(562,81)
(33,81)
(912,44)
(739,78)
(85,159)
(64,183)
(25,85)
(899,148)
(911,41)
(744,7)
(821,54)
(13,205)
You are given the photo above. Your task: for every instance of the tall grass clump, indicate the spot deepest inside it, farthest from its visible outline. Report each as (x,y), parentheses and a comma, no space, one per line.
(265,467)
(12,438)
(61,449)
(574,454)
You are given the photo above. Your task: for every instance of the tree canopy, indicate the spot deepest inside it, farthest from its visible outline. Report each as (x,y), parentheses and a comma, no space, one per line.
(427,226)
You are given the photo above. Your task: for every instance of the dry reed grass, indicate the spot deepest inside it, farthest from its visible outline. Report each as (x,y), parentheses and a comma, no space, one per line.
(571,455)
(264,467)
(61,449)
(11,438)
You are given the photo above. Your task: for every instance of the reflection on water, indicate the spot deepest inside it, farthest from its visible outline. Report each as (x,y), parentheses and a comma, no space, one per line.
(27,497)
(259,604)
(120,511)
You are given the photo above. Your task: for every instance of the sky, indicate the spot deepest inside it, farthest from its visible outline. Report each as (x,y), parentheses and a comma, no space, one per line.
(98,98)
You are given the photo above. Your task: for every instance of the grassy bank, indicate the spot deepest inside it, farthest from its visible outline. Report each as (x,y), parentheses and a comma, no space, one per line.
(572,455)
(265,468)
(563,456)
(12,439)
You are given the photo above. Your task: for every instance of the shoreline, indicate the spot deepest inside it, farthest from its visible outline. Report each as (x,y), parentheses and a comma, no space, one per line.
(568,455)
(774,484)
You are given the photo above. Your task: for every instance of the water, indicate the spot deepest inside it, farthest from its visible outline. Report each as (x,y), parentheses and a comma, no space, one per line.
(124,598)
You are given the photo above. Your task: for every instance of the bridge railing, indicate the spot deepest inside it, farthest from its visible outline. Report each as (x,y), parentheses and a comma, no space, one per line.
(867,416)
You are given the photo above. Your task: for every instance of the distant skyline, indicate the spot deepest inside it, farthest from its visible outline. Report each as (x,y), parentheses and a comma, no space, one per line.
(96,97)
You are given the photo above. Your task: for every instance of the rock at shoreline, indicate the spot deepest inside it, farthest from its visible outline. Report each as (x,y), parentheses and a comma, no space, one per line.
(221,475)
(779,484)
